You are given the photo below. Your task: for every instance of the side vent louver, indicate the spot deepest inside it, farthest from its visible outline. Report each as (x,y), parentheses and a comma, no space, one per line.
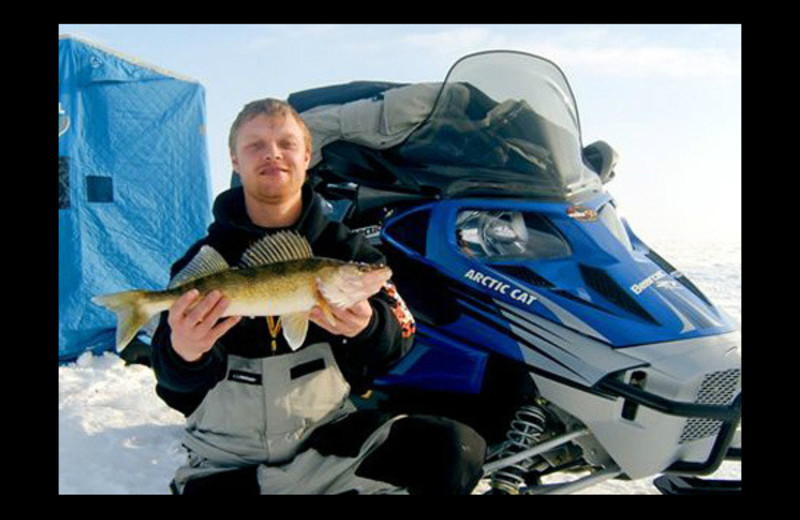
(668,268)
(524,274)
(599,281)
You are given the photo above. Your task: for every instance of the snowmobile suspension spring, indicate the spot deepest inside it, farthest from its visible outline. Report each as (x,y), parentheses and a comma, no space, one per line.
(527,427)
(525,431)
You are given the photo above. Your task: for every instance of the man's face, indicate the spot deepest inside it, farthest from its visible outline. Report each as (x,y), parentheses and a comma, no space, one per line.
(271,158)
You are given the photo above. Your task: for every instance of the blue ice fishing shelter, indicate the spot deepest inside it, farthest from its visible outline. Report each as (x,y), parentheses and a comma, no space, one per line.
(133,183)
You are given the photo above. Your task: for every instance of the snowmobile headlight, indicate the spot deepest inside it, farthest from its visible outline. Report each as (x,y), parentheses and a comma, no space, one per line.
(504,234)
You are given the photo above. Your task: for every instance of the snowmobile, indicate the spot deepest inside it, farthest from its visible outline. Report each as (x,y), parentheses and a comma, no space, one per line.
(542,319)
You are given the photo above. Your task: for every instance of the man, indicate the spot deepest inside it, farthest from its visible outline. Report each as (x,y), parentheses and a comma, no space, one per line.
(263,418)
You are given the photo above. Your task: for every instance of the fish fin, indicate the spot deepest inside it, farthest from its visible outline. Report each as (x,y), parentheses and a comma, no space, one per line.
(279,247)
(326,309)
(207,261)
(132,314)
(295,328)
(335,293)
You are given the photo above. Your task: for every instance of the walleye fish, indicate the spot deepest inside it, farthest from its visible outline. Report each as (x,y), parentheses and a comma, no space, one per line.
(277,276)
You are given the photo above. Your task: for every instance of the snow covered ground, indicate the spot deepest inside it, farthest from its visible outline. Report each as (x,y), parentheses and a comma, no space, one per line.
(116,436)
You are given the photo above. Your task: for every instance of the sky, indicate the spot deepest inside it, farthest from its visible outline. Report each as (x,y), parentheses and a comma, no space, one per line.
(668,98)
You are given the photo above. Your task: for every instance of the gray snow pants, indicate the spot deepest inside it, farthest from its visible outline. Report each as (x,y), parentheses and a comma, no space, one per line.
(300,434)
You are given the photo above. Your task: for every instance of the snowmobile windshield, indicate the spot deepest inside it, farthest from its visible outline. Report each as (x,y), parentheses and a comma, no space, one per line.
(504,122)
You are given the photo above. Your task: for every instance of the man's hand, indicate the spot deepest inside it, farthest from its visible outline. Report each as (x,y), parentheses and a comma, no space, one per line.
(194,327)
(347,322)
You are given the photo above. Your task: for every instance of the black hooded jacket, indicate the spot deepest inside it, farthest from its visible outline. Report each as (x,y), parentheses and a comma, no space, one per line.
(183,385)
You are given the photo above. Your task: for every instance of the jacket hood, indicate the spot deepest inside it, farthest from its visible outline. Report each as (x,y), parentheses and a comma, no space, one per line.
(230,214)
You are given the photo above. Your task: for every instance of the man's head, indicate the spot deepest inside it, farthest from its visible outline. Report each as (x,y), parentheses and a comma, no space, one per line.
(271,108)
(270,148)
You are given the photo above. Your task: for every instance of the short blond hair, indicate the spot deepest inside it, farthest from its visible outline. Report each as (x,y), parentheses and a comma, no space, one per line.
(269,107)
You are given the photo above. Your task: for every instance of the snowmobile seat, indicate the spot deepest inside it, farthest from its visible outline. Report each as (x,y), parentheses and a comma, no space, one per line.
(339,94)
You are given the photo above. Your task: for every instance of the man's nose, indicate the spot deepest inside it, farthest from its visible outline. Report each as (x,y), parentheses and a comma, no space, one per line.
(271,151)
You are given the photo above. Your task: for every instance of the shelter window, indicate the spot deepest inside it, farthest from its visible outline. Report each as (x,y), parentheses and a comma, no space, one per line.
(99,189)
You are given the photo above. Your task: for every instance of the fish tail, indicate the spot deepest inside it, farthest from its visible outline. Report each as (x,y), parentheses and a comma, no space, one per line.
(132,310)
